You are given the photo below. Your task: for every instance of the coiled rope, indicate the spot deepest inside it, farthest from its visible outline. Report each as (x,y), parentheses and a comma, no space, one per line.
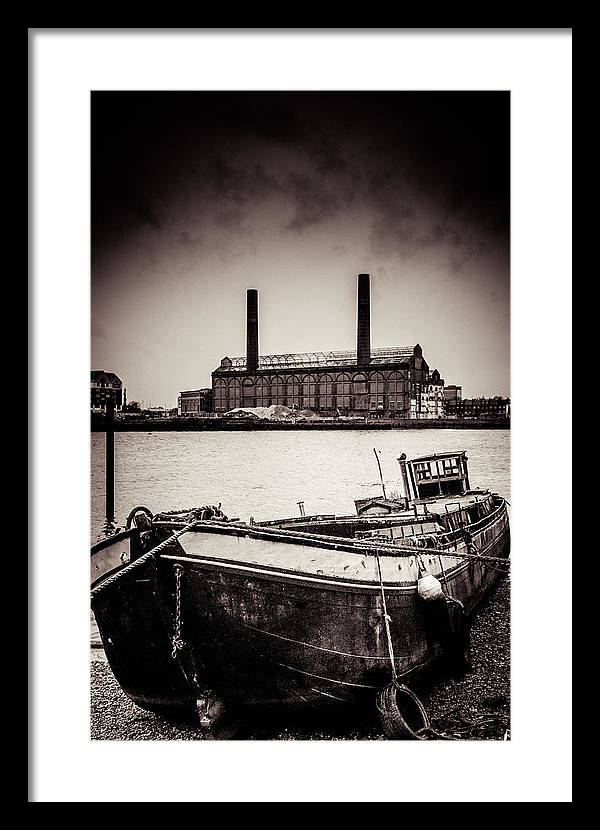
(139,563)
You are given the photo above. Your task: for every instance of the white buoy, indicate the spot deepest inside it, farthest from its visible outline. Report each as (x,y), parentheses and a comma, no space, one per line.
(429,588)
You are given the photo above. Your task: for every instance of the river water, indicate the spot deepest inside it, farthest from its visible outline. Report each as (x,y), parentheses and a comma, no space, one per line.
(265,474)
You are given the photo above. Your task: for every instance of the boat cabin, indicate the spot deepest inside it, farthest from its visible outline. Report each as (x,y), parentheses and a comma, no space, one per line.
(378,506)
(432,476)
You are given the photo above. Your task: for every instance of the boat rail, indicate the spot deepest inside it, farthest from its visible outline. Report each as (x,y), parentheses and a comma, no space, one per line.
(452,536)
(110,540)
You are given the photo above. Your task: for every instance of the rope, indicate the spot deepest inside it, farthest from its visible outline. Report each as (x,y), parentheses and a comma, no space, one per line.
(386,620)
(443,572)
(139,563)
(480,557)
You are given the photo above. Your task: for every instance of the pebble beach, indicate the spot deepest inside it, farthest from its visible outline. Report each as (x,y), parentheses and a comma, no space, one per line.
(475,706)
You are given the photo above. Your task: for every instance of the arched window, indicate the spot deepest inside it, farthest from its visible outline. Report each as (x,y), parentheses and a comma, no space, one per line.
(377,400)
(343,387)
(263,392)
(292,391)
(234,397)
(397,391)
(220,395)
(397,382)
(325,396)
(308,392)
(278,390)
(248,392)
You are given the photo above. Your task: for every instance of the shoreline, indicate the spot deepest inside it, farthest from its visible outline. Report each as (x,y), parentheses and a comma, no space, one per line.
(98,424)
(481,697)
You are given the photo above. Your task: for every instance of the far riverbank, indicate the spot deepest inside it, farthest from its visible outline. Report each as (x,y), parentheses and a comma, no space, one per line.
(98,424)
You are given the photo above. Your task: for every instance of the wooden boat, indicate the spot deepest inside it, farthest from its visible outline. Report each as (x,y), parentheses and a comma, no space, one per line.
(313,610)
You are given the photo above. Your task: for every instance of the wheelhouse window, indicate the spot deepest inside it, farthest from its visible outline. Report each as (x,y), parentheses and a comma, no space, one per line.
(450,467)
(422,471)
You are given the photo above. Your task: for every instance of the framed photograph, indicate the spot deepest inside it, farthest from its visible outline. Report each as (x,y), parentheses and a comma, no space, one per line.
(299,310)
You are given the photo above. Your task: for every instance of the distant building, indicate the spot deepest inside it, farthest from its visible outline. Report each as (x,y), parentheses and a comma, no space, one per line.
(156,412)
(387,382)
(105,387)
(194,402)
(433,403)
(478,408)
(452,392)
(432,398)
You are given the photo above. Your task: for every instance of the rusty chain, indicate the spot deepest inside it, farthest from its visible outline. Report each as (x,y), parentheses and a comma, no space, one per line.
(177,639)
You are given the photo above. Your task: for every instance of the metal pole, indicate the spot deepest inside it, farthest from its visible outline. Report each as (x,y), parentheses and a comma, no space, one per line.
(380,473)
(110,463)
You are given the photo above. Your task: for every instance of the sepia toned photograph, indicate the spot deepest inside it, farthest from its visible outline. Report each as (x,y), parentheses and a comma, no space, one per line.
(295,280)
(300,415)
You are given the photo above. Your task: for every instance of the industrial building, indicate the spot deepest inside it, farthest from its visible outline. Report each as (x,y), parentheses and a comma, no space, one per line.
(194,402)
(480,408)
(452,392)
(385,382)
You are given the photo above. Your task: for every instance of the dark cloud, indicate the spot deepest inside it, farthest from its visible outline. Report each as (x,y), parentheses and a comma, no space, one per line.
(186,239)
(230,220)
(429,169)
(313,203)
(236,183)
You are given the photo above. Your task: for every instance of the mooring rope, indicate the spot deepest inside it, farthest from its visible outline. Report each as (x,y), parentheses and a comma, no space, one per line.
(386,620)
(139,563)
(480,557)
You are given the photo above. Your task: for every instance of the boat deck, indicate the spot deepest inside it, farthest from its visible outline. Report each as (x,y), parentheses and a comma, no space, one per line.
(255,552)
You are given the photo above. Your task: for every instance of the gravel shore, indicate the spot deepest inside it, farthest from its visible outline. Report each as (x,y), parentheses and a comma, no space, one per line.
(473,707)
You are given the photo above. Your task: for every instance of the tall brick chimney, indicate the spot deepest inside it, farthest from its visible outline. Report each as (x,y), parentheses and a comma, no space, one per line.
(252,330)
(363,329)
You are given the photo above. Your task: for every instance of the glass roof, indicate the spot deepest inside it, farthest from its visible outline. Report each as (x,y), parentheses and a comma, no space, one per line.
(345,357)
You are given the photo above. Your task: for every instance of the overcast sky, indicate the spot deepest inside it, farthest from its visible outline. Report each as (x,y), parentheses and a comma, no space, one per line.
(198,196)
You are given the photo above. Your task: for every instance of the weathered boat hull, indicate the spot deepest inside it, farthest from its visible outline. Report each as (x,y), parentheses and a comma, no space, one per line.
(257,634)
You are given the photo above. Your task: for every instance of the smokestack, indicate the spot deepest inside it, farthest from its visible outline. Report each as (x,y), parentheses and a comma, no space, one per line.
(252,330)
(363,332)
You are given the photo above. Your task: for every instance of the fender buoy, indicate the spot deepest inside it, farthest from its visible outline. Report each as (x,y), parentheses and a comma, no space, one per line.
(401,714)
(429,588)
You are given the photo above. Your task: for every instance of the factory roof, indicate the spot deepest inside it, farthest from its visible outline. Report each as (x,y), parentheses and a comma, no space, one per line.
(345,357)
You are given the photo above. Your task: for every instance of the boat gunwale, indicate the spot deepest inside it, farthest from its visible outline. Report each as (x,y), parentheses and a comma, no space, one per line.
(110,540)
(332,581)
(339,543)
(319,541)
(274,574)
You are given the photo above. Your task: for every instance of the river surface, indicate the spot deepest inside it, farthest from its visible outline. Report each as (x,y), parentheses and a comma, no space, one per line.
(266,474)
